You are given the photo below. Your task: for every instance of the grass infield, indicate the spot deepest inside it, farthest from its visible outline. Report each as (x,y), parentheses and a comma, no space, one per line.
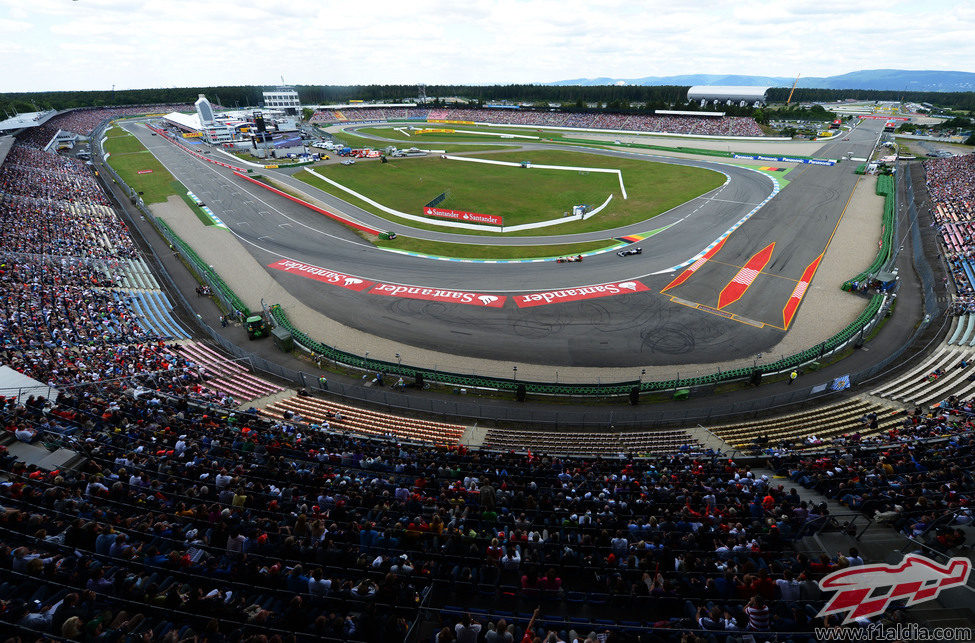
(115,131)
(425,143)
(520,195)
(128,157)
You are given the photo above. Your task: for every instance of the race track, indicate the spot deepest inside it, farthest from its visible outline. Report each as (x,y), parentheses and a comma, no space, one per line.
(712,314)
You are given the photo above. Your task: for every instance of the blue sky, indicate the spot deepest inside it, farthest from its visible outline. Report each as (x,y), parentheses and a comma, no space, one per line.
(87,44)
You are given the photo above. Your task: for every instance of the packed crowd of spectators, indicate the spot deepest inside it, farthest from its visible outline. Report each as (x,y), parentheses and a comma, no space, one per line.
(62,254)
(923,488)
(952,181)
(363,114)
(40,175)
(188,520)
(951,185)
(701,125)
(83,121)
(196,519)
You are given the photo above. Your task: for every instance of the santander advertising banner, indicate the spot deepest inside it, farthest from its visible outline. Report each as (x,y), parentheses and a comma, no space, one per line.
(322,274)
(460,215)
(439,294)
(577,294)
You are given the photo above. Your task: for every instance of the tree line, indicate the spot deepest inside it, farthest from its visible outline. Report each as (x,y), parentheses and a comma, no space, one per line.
(616,98)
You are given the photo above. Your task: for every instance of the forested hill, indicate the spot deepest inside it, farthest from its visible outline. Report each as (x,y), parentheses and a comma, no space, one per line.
(896,80)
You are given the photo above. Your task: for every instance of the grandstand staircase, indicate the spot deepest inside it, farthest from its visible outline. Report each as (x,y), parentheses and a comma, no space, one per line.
(880,543)
(226,375)
(140,292)
(267,400)
(473,436)
(919,386)
(875,541)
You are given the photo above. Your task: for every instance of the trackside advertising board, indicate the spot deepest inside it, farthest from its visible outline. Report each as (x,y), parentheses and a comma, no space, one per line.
(576,294)
(786,159)
(439,294)
(460,215)
(322,274)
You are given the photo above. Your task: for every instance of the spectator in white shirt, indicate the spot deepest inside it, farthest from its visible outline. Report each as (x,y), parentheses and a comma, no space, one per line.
(788,587)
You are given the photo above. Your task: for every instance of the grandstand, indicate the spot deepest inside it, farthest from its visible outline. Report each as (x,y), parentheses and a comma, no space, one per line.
(663,123)
(728,94)
(147,503)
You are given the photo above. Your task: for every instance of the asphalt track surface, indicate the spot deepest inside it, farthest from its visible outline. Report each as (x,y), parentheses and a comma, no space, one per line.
(652,328)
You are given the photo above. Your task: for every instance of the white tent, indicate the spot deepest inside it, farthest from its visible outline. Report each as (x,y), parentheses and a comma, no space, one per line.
(16,384)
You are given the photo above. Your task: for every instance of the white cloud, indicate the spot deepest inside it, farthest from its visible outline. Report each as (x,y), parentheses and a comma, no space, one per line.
(153,43)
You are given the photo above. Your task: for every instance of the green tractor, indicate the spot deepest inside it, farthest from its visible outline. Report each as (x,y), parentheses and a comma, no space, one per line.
(256,327)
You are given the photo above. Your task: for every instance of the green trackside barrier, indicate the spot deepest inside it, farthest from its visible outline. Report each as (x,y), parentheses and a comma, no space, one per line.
(886,187)
(458,379)
(605,390)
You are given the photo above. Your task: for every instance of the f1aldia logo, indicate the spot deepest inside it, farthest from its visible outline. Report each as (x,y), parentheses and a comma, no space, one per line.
(916,578)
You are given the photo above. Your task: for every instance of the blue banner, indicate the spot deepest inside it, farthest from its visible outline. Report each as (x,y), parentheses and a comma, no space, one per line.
(784,159)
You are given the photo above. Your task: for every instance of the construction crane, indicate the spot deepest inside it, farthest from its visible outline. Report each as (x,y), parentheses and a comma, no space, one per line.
(789,100)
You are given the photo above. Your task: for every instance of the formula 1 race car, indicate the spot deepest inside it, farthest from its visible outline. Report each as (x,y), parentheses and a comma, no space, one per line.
(630,251)
(575,259)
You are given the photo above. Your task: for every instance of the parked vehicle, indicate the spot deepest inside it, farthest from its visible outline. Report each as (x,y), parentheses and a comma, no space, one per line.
(256,327)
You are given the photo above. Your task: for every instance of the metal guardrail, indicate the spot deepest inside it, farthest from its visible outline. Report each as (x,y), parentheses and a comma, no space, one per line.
(834,522)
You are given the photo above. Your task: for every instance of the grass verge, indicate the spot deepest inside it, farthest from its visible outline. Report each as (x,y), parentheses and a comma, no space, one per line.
(476,251)
(204,219)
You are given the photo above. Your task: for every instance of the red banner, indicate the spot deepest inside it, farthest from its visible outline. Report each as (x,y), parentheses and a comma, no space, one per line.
(144,172)
(460,215)
(576,294)
(322,274)
(437,294)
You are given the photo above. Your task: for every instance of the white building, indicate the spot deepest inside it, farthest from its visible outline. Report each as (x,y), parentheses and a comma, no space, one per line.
(204,110)
(282,98)
(204,122)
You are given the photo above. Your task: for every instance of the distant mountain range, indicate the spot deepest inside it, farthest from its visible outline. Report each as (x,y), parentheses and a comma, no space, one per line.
(882,79)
